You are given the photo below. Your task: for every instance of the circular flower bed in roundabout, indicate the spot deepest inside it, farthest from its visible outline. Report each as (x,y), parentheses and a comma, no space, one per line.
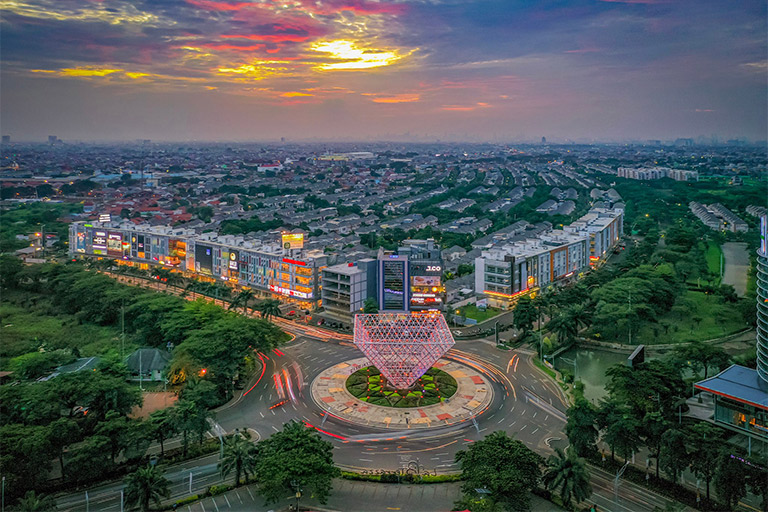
(369,385)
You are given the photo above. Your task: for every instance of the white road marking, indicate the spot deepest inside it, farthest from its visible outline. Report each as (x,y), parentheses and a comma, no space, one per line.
(537,429)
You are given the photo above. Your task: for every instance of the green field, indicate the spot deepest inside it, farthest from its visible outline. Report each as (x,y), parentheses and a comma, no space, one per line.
(713,258)
(473,312)
(709,318)
(369,385)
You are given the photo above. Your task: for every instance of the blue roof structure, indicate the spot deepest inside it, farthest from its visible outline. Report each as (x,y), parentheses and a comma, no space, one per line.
(737,383)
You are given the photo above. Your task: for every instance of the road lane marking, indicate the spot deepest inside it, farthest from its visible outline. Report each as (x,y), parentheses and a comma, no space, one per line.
(225,497)
(537,429)
(251,494)
(215,505)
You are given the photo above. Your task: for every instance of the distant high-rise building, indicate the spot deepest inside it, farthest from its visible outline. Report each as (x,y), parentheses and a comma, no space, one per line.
(6,139)
(543,140)
(52,139)
(762,302)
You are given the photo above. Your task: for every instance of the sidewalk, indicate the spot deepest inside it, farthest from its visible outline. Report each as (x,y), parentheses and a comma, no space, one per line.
(349,495)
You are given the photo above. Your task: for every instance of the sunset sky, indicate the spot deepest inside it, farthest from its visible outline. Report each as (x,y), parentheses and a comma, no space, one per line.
(355,69)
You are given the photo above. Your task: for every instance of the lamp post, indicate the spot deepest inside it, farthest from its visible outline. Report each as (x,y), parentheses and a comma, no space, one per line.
(295,485)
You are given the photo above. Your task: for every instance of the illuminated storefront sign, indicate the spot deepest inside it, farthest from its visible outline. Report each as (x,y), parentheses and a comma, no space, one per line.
(294,262)
(233,261)
(289,293)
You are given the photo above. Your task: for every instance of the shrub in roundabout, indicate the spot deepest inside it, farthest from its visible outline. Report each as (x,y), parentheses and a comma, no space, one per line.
(369,385)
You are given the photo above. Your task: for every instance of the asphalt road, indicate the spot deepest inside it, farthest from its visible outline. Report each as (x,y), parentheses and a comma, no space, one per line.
(526,404)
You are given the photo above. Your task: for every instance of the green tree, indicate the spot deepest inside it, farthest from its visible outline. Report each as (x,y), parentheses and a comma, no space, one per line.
(524,315)
(62,433)
(295,457)
(25,457)
(465,269)
(568,475)
(202,392)
(730,479)
(705,444)
(564,327)
(114,427)
(701,356)
(239,456)
(504,466)
(31,502)
(757,480)
(268,308)
(580,428)
(370,306)
(146,485)
(90,459)
(673,454)
(163,425)
(242,299)
(620,429)
(654,426)
(10,270)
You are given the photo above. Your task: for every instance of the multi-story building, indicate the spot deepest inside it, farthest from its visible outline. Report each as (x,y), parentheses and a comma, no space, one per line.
(717,217)
(740,393)
(513,268)
(286,272)
(345,288)
(411,280)
(603,227)
(656,173)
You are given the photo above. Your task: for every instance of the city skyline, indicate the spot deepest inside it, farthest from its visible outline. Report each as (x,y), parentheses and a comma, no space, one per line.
(356,69)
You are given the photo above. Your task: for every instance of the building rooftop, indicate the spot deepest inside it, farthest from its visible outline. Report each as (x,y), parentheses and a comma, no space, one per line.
(737,383)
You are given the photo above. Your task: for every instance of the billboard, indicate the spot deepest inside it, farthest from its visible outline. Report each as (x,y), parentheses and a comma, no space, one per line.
(425,280)
(140,250)
(204,259)
(393,282)
(80,242)
(293,240)
(105,217)
(99,242)
(289,293)
(115,244)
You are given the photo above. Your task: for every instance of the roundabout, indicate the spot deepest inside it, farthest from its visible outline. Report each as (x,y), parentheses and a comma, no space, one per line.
(473,395)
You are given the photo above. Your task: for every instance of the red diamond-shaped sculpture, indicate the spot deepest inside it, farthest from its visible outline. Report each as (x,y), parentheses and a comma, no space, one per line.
(403,346)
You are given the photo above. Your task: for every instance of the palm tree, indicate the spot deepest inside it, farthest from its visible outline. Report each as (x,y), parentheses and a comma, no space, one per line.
(34,503)
(163,425)
(563,326)
(145,485)
(268,308)
(580,315)
(568,475)
(240,456)
(242,299)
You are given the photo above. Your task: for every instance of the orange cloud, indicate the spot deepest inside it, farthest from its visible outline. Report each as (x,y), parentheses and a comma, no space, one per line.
(272,38)
(294,94)
(397,98)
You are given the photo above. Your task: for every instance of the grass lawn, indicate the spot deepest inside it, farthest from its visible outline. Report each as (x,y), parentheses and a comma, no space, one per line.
(713,257)
(710,318)
(472,311)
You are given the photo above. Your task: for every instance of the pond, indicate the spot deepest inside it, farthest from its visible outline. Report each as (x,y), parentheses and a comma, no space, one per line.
(590,365)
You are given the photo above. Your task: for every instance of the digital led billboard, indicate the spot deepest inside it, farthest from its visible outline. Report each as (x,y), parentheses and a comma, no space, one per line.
(99,242)
(115,244)
(233,260)
(80,242)
(204,259)
(394,285)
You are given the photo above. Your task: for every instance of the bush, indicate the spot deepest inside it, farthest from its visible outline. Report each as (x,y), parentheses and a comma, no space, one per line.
(188,499)
(215,490)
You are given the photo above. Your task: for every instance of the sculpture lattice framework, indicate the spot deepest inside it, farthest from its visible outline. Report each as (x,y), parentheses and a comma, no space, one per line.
(403,346)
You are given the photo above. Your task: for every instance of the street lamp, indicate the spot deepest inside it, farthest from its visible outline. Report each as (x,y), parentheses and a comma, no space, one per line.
(295,485)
